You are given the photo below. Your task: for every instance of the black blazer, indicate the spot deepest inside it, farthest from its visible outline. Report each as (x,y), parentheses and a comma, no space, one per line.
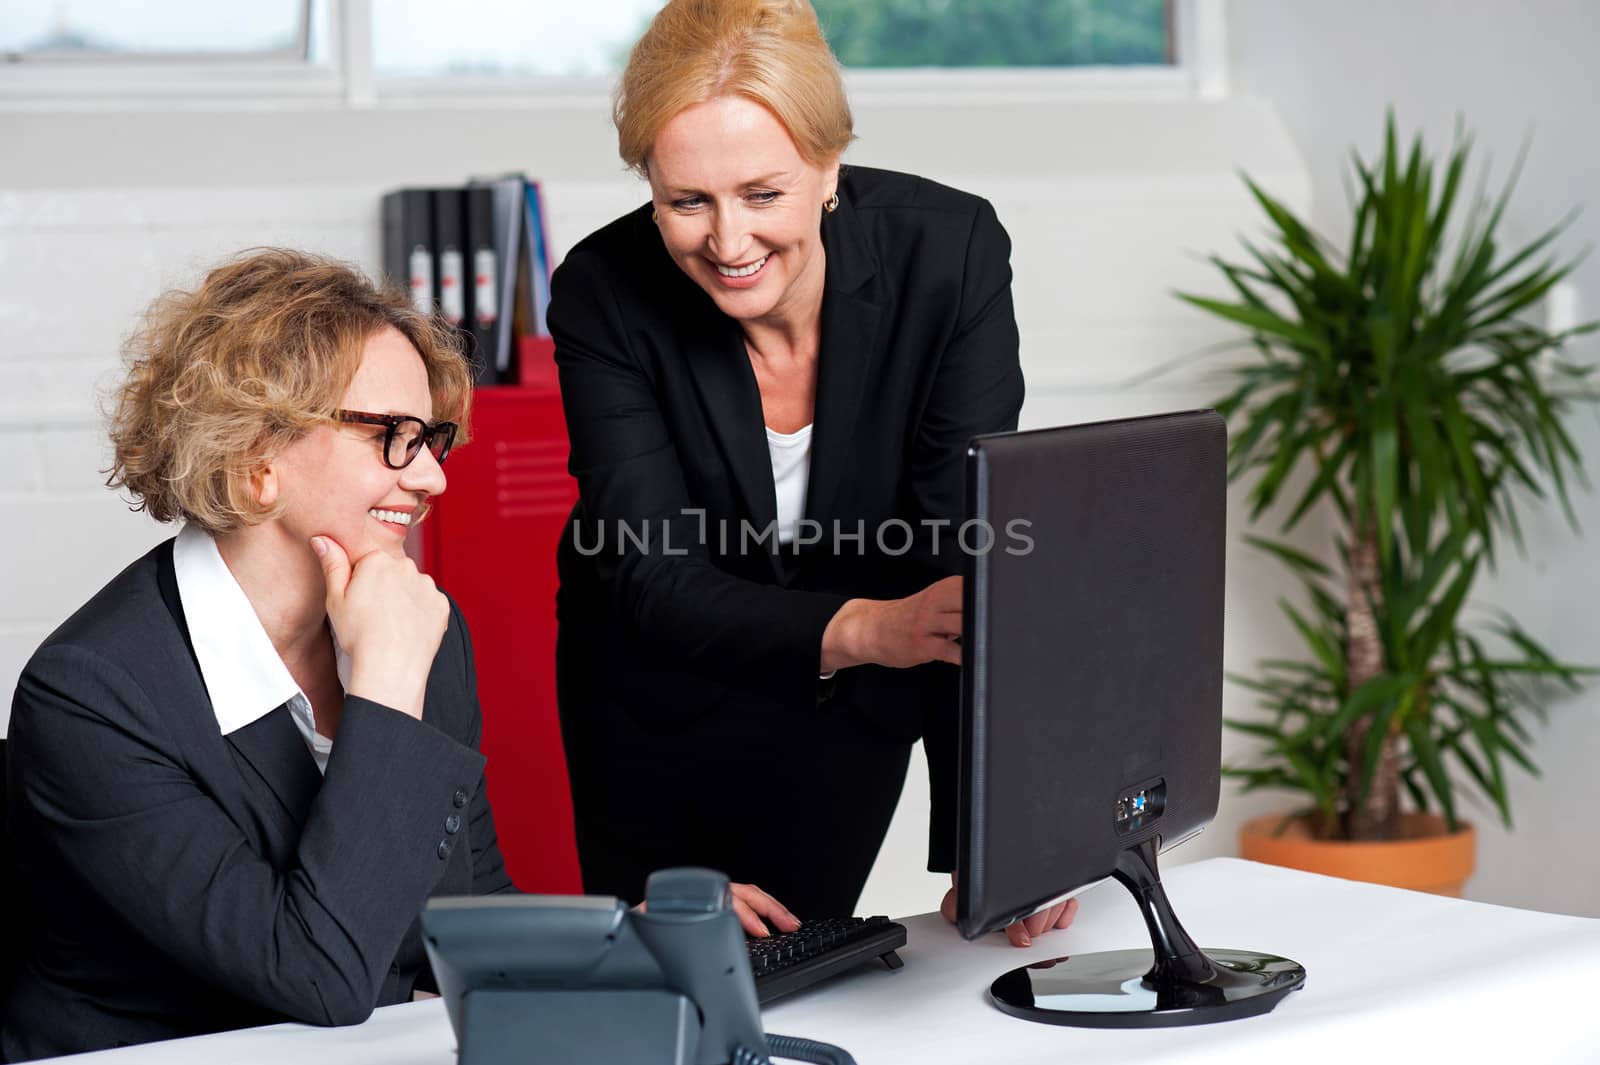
(176,881)
(918,354)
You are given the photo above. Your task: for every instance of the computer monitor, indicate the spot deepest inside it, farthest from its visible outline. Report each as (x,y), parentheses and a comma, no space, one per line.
(1092,707)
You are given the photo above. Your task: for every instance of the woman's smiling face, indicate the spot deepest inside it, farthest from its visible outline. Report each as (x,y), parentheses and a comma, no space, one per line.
(334,481)
(740,209)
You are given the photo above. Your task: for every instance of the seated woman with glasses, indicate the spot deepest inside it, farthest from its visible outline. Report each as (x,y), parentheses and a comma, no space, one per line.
(240,769)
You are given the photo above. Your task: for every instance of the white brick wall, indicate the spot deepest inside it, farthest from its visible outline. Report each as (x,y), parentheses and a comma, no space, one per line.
(77,268)
(1104,226)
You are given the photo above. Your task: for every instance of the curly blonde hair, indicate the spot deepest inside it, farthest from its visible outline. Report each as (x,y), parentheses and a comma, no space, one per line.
(222,377)
(769,51)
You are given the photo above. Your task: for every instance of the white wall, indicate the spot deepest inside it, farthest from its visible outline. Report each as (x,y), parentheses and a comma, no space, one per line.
(1111,205)
(1508,70)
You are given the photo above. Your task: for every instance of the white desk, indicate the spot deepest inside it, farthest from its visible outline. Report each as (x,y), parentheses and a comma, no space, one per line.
(1392,976)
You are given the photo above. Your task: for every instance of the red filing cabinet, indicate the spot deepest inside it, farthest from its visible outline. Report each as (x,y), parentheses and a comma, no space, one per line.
(491,543)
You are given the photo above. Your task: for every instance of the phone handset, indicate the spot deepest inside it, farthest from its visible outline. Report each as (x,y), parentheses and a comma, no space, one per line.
(689,925)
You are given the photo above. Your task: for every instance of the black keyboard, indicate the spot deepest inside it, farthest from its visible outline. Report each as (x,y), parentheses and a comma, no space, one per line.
(789,961)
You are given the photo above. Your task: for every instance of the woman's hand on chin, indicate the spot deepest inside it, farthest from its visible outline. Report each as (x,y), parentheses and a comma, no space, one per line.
(389,618)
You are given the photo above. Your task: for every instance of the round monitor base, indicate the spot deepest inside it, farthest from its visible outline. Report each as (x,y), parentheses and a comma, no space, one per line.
(1115,989)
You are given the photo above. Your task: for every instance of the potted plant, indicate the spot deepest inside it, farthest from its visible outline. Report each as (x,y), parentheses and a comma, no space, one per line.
(1404,387)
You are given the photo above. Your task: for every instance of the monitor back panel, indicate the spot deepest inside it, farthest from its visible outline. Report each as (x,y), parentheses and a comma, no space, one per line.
(1092,687)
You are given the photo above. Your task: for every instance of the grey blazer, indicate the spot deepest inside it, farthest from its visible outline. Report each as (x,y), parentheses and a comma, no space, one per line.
(173,881)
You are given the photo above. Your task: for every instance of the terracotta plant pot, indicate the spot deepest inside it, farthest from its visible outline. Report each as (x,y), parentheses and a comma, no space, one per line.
(1426,857)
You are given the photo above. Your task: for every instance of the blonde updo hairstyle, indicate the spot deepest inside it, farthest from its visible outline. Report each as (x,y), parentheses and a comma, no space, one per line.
(769,51)
(222,377)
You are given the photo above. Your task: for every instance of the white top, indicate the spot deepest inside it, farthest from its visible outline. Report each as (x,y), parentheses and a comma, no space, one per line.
(242,671)
(1398,975)
(791,472)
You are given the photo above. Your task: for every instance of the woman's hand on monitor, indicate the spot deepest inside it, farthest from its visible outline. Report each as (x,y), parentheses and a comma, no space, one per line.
(899,633)
(1022,932)
(1058,916)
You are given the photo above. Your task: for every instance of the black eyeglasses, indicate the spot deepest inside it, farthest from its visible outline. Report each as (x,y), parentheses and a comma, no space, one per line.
(406,436)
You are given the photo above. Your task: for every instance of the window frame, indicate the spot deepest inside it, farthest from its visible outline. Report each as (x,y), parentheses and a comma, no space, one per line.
(348,80)
(119,81)
(295,54)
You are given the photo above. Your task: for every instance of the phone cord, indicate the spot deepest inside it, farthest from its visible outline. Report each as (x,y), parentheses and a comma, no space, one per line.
(795,1049)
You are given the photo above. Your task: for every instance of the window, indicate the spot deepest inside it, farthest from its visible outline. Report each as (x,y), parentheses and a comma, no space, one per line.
(998,33)
(591,38)
(407,53)
(75,30)
(519,38)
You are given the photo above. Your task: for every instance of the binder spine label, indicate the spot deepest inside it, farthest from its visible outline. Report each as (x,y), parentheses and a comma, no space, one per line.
(452,286)
(485,287)
(421,270)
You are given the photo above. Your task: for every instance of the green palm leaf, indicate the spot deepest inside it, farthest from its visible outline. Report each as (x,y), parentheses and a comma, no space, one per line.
(1408,381)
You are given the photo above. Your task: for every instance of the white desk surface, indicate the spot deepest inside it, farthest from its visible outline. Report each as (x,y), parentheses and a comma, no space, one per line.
(1392,976)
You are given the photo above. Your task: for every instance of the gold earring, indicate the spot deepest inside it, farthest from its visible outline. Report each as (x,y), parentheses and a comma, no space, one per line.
(654,217)
(831,204)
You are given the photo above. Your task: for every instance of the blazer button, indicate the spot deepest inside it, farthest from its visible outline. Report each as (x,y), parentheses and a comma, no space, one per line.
(452,824)
(444,849)
(459,798)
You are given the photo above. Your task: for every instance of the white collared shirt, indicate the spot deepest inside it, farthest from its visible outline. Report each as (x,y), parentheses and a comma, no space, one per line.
(241,669)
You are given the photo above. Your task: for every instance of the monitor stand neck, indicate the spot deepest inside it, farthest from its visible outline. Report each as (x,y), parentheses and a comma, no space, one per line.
(1177,958)
(1123,989)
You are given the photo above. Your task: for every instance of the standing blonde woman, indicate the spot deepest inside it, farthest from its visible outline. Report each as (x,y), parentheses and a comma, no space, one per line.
(770,373)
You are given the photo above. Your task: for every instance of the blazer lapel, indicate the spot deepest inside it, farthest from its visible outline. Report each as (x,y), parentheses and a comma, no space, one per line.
(271,744)
(850,320)
(720,368)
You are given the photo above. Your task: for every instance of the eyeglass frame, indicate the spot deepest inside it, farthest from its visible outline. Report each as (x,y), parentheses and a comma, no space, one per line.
(392,423)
